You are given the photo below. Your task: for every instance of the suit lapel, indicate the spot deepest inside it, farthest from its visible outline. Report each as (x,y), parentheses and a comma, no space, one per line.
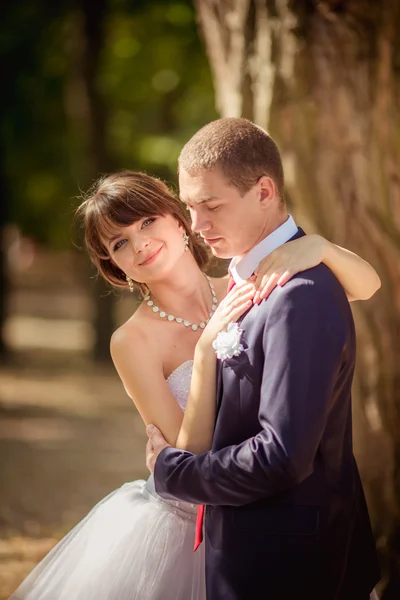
(220,387)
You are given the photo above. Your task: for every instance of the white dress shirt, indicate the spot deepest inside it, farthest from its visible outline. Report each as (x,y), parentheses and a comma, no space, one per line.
(241,269)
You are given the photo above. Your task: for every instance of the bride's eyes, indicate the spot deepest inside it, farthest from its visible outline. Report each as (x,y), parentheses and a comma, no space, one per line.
(148,221)
(118,245)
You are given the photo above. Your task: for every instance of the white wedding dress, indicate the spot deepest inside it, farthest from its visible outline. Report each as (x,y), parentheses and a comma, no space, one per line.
(133,545)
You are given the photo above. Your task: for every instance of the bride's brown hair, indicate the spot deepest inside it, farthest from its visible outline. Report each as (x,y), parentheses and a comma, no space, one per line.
(120,199)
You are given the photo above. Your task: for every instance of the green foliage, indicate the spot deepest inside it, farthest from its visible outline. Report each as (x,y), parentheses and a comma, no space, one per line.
(153,80)
(156,80)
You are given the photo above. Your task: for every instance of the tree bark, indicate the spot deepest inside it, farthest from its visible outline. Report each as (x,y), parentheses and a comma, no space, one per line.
(3,269)
(6,75)
(84,106)
(323,78)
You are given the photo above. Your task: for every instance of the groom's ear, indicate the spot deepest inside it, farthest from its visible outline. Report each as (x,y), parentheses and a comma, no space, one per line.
(267,191)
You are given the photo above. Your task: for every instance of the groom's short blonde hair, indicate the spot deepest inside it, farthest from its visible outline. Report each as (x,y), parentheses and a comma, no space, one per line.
(240,149)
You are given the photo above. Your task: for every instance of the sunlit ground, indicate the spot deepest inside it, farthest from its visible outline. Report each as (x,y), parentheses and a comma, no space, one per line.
(68,436)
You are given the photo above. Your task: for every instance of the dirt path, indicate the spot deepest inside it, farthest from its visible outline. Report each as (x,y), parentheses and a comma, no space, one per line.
(68,436)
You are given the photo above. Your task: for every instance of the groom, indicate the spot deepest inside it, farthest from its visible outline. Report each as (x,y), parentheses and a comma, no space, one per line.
(285,511)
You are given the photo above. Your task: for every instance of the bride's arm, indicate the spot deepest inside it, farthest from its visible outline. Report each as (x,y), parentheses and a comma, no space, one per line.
(197,428)
(358,278)
(140,369)
(139,365)
(196,432)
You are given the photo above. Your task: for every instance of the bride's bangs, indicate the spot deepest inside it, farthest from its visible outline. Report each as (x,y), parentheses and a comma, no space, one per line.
(108,214)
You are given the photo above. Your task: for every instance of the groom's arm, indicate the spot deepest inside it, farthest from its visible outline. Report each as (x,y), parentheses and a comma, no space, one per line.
(303,341)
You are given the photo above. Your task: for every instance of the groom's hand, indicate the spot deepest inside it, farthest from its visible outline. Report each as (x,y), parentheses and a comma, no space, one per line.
(154,446)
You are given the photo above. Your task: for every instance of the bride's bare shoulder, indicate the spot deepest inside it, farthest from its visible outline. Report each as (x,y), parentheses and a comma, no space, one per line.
(135,333)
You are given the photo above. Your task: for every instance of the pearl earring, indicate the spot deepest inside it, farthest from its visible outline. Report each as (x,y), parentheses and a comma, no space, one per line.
(130,283)
(186,240)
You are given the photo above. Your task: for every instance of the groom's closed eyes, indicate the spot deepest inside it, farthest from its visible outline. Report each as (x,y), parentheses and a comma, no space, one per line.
(210,202)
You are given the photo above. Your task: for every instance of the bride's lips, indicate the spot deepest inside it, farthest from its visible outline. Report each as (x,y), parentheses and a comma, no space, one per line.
(151,258)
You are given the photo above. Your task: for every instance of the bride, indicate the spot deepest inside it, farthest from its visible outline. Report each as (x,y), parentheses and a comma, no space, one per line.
(134,545)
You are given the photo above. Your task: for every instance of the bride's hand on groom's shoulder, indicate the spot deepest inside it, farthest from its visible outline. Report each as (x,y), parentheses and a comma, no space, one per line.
(286,261)
(156,443)
(235,303)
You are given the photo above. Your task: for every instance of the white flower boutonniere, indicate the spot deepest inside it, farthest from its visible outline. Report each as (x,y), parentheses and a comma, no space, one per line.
(227,343)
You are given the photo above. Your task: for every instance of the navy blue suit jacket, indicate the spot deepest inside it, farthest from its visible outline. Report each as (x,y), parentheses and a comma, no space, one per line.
(286,516)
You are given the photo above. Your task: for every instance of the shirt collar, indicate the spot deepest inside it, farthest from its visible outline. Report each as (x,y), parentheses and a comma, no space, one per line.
(241,269)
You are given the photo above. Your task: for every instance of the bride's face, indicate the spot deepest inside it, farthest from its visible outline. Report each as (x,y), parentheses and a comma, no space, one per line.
(147,249)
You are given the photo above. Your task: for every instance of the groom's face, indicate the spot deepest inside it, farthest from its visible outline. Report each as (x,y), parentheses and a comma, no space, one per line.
(231,224)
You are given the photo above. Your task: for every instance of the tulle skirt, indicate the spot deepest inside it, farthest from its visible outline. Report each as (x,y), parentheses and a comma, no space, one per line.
(133,545)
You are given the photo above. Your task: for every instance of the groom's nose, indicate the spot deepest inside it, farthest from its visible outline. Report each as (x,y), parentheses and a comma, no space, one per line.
(200,221)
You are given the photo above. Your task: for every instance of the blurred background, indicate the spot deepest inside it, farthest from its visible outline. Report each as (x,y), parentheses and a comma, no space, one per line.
(90,87)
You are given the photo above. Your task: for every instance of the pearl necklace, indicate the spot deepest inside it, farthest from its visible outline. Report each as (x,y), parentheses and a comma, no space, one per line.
(163,315)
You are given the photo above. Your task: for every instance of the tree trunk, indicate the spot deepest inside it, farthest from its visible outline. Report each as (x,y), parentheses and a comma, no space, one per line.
(323,78)
(3,269)
(6,75)
(85,109)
